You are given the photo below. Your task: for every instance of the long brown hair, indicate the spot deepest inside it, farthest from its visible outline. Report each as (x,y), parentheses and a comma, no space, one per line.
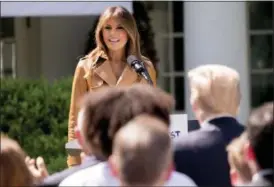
(127,21)
(13,170)
(107,110)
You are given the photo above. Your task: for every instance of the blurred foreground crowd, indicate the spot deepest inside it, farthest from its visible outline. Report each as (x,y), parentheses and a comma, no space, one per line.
(124,135)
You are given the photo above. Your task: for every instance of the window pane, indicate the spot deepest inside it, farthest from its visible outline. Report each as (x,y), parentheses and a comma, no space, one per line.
(160,11)
(6,27)
(262,89)
(164,55)
(165,83)
(7,54)
(178,54)
(261,51)
(178,18)
(261,15)
(179,93)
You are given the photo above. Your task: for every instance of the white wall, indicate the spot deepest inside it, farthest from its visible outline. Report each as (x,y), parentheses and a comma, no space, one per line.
(34,56)
(62,41)
(216,32)
(28,47)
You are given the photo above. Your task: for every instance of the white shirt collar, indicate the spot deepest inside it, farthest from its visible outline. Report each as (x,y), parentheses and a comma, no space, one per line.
(261,174)
(100,175)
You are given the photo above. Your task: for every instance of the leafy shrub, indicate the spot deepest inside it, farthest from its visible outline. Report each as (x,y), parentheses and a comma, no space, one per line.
(35,113)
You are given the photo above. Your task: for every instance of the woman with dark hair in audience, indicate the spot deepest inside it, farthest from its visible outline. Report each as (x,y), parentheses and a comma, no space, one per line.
(106,111)
(13,170)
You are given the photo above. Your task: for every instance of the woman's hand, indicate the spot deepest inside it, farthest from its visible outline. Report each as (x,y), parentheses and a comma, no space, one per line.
(83,156)
(37,168)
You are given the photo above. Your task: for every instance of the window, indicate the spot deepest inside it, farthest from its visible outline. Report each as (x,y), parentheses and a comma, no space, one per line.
(170,42)
(261,51)
(6,27)
(7,47)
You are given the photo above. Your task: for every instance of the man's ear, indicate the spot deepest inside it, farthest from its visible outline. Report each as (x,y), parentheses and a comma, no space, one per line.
(112,166)
(79,137)
(78,128)
(193,101)
(249,152)
(194,106)
(233,176)
(169,171)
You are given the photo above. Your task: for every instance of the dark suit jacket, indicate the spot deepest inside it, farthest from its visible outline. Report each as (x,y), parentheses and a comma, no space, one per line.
(55,179)
(202,155)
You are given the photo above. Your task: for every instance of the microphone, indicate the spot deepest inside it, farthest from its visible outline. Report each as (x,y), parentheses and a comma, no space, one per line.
(139,67)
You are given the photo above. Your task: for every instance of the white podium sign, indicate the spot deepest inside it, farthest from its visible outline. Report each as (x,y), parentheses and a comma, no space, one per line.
(179,125)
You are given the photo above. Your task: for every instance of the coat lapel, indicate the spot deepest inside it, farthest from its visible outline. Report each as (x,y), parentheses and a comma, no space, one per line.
(104,71)
(128,77)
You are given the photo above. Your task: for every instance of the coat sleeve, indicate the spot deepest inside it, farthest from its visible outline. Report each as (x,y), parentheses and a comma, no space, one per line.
(152,73)
(151,70)
(79,89)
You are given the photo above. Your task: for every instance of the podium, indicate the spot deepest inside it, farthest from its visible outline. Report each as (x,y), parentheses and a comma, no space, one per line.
(73,148)
(179,125)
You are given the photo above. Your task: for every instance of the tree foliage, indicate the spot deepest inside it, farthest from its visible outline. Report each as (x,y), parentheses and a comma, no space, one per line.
(35,113)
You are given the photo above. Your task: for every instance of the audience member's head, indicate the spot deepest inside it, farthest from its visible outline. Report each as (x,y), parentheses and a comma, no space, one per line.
(142,152)
(239,170)
(107,110)
(259,150)
(14,171)
(214,90)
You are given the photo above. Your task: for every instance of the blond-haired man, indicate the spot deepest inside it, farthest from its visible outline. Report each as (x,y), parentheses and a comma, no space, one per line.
(215,99)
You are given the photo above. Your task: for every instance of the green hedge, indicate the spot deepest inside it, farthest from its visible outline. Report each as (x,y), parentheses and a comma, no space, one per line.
(35,113)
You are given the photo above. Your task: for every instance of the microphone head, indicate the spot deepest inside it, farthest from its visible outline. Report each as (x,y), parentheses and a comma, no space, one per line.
(131,59)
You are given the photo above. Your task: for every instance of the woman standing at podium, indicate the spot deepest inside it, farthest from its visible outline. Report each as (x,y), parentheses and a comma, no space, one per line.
(116,37)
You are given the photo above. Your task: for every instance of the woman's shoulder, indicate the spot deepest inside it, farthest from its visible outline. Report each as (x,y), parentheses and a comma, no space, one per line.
(87,62)
(92,59)
(147,61)
(84,65)
(83,61)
